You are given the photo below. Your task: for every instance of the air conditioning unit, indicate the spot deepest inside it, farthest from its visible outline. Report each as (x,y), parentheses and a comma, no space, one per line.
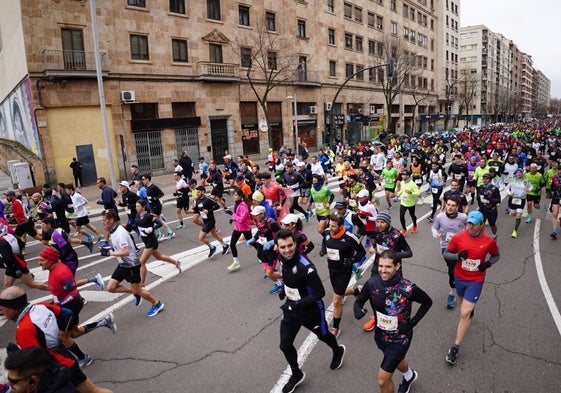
(372,109)
(328,106)
(127,97)
(313,110)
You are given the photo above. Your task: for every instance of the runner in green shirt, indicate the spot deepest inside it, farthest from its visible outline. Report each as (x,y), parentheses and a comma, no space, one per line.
(321,198)
(390,176)
(533,197)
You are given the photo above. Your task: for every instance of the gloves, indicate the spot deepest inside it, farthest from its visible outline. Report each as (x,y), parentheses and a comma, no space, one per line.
(105,250)
(282,294)
(463,254)
(484,266)
(322,252)
(287,307)
(407,326)
(250,242)
(230,221)
(360,313)
(268,245)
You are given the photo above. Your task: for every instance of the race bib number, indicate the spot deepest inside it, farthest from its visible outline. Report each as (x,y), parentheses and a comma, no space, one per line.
(449,235)
(516,201)
(418,181)
(386,322)
(319,205)
(457,176)
(434,190)
(471,173)
(292,293)
(470,265)
(380,248)
(262,240)
(333,254)
(484,200)
(352,202)
(127,210)
(204,216)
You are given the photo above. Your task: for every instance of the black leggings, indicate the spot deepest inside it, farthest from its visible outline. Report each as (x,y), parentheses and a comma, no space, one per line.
(435,201)
(296,206)
(234,240)
(402,210)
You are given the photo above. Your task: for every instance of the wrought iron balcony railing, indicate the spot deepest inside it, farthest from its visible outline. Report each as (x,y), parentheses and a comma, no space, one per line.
(67,63)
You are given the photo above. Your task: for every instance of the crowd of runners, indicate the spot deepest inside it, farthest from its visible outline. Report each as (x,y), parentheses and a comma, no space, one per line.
(464,173)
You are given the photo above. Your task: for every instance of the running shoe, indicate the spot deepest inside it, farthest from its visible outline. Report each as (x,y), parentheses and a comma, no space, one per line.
(405,386)
(90,246)
(212,251)
(137,300)
(308,215)
(90,238)
(265,277)
(414,229)
(358,272)
(336,332)
(234,266)
(554,234)
(514,234)
(225,249)
(529,219)
(430,219)
(169,235)
(452,354)
(451,301)
(370,325)
(111,324)
(99,281)
(293,381)
(178,266)
(276,288)
(155,309)
(338,356)
(228,211)
(180,226)
(85,362)
(403,231)
(100,239)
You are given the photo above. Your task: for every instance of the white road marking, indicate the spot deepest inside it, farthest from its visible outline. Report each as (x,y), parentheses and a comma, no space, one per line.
(542,280)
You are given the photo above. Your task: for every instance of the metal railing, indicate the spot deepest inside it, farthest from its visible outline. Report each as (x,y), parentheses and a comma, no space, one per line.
(72,60)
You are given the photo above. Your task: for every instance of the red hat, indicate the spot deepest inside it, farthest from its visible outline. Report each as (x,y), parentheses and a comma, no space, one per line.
(50,254)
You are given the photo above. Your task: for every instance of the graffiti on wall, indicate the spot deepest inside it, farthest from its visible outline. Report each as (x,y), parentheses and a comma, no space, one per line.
(16,117)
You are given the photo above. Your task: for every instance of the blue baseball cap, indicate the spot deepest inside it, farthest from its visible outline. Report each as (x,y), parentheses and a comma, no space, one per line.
(475,217)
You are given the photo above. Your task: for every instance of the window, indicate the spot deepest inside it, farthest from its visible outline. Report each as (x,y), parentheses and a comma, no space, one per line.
(358,43)
(73,47)
(213,9)
(245,56)
(330,6)
(215,53)
(405,32)
(272,60)
(139,47)
(179,49)
(332,68)
(348,10)
(243,18)
(412,14)
(380,49)
(393,28)
(331,36)
(348,41)
(301,28)
(393,5)
(358,14)
(371,19)
(270,21)
(177,6)
(405,10)
(137,3)
(379,22)
(372,75)
(360,75)
(371,47)
(349,70)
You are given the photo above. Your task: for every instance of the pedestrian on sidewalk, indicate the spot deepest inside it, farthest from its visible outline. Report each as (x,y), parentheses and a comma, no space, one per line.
(242,225)
(77,168)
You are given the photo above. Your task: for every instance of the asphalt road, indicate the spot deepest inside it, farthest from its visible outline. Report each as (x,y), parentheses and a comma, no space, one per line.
(219,331)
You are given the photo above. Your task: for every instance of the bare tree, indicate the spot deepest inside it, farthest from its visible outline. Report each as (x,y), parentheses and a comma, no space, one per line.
(269,59)
(449,89)
(419,95)
(467,92)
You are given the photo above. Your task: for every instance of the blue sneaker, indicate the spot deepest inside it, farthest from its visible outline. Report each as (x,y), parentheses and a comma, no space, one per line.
(90,238)
(137,300)
(100,239)
(155,309)
(99,281)
(451,301)
(276,288)
(308,215)
(90,246)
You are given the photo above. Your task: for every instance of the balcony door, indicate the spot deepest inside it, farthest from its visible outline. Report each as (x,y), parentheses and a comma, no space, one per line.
(73,49)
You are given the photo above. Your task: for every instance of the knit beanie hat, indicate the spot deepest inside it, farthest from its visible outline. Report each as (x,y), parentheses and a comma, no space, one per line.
(50,254)
(385,216)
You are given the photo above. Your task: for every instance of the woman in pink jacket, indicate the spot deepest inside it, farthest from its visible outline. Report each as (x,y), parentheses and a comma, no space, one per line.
(242,225)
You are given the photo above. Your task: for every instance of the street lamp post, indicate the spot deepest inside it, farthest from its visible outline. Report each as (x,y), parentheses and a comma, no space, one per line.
(295,119)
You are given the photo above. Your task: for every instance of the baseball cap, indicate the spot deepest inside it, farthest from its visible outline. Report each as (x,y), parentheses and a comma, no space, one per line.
(228,156)
(475,217)
(341,205)
(519,170)
(301,163)
(125,183)
(10,192)
(363,193)
(533,165)
(487,175)
(50,254)
(290,219)
(258,210)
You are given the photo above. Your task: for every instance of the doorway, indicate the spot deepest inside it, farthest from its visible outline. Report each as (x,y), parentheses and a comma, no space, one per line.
(84,154)
(219,139)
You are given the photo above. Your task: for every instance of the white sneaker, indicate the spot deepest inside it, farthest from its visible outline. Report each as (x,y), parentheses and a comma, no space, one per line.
(234,266)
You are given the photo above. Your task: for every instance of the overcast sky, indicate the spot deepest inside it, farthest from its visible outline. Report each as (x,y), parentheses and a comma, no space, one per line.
(532,25)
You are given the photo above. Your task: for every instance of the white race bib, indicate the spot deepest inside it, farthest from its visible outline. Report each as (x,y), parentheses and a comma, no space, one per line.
(380,248)
(457,176)
(418,181)
(434,190)
(470,265)
(262,240)
(516,201)
(292,293)
(352,202)
(319,205)
(386,322)
(333,254)
(449,235)
(484,200)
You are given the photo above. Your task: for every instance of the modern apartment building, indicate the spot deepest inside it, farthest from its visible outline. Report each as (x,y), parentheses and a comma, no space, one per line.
(496,78)
(541,94)
(210,76)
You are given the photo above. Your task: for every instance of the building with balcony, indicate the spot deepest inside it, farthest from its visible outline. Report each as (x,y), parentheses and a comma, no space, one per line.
(540,94)
(201,76)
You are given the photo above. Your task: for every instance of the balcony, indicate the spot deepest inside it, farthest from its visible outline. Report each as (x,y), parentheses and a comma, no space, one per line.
(218,72)
(304,77)
(72,63)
